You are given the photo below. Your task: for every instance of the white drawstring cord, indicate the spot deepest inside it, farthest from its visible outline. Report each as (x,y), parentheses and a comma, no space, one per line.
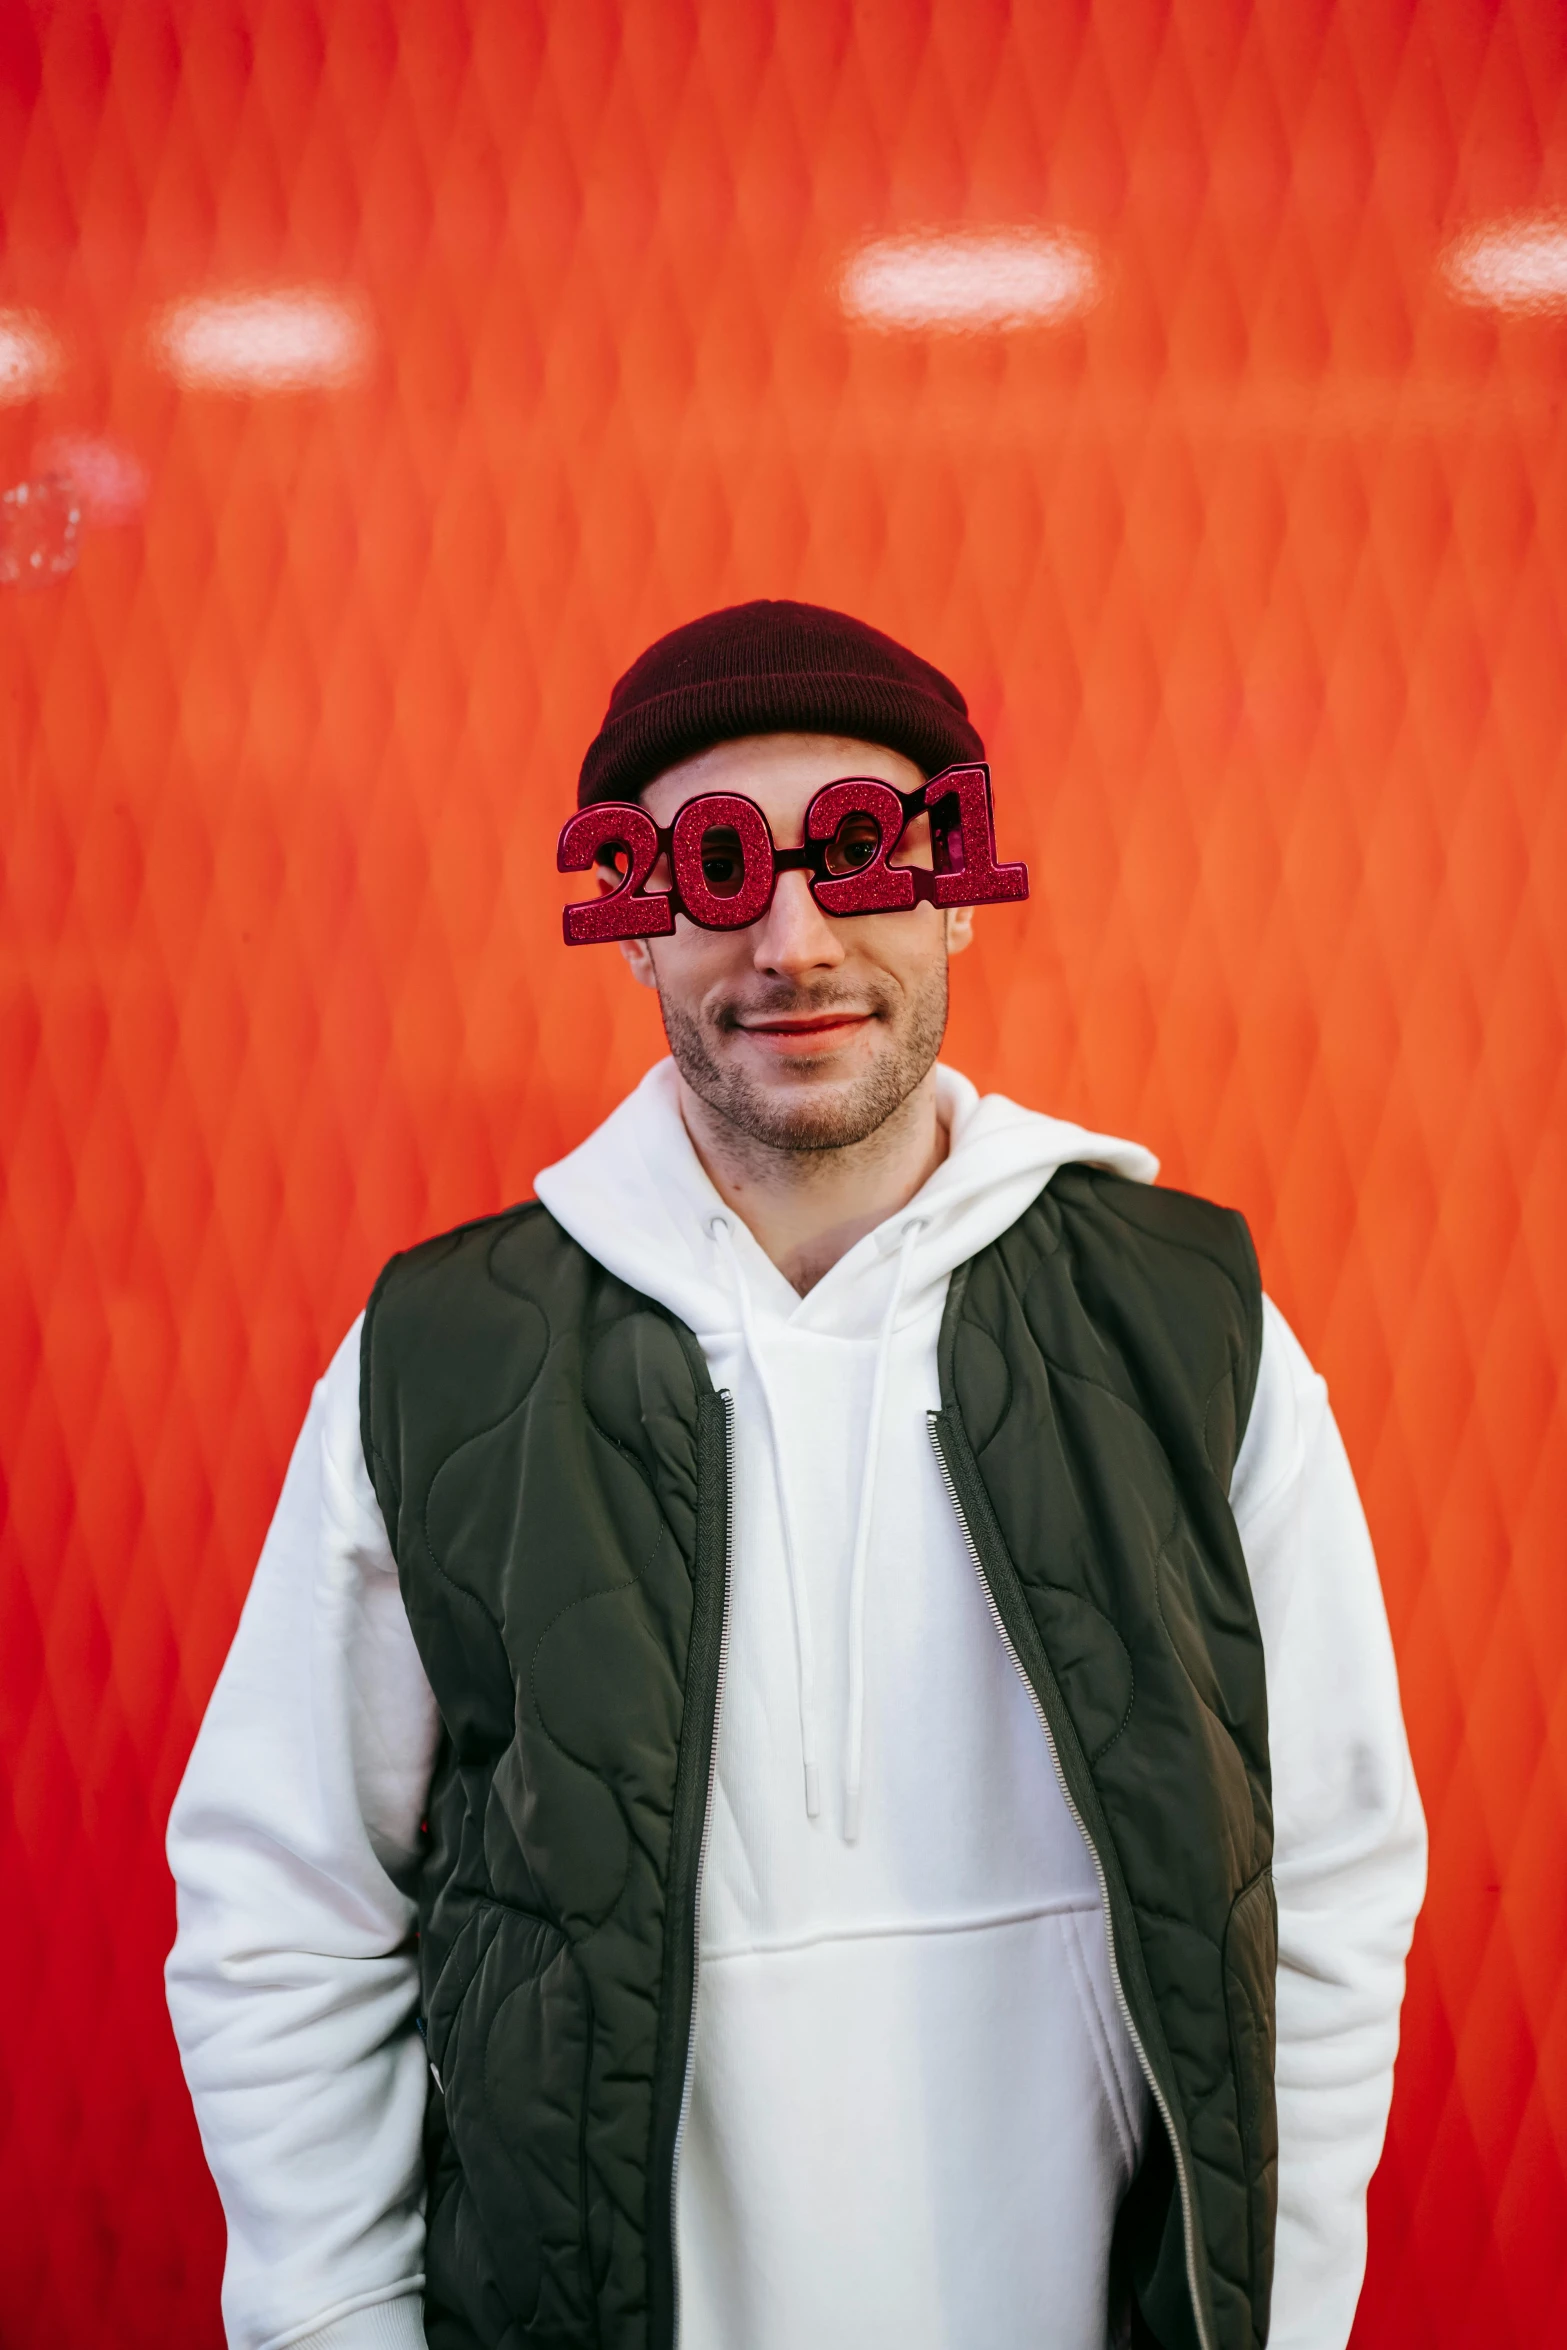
(805,1651)
(854,1739)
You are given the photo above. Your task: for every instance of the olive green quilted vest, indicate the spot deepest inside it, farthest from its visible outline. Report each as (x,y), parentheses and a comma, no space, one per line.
(552,1465)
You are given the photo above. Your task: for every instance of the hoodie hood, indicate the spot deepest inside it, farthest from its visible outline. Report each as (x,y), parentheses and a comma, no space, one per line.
(637,1198)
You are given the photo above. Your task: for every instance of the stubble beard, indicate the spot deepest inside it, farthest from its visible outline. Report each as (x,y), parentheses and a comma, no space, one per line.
(802,1121)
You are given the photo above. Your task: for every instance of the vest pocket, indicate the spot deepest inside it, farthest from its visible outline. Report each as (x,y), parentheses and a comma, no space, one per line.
(511,2038)
(1251,1958)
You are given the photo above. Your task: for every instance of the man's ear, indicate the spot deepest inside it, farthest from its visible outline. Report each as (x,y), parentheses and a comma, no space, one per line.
(639,961)
(960,928)
(635,950)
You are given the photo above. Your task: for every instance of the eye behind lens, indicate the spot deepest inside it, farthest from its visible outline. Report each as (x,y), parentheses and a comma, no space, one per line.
(854,845)
(723,861)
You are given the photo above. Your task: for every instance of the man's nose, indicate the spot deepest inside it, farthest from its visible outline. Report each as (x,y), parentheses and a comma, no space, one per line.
(794,935)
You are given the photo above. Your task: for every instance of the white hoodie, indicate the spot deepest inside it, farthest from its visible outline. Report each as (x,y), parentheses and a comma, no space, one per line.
(913,2107)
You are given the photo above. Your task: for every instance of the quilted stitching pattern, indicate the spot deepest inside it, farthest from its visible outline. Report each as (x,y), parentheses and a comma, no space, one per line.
(534,1428)
(1114,1328)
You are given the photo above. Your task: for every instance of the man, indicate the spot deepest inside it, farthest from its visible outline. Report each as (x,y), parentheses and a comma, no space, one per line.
(853,1542)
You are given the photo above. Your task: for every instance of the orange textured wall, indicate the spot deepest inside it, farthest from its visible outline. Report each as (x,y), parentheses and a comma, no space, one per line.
(382,377)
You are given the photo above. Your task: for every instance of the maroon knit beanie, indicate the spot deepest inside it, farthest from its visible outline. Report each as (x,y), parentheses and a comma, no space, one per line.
(772,668)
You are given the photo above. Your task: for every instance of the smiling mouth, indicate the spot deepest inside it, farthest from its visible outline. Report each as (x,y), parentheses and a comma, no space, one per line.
(812,1024)
(804,1036)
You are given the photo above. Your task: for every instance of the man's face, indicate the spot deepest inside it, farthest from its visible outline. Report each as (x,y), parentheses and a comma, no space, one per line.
(804,1032)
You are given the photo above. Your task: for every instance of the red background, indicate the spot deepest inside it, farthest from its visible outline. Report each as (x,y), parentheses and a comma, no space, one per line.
(1252,574)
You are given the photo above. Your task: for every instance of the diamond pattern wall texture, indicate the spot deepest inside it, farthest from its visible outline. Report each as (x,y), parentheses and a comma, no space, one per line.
(376,376)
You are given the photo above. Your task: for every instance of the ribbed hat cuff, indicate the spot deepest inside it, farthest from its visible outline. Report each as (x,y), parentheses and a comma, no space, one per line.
(631,750)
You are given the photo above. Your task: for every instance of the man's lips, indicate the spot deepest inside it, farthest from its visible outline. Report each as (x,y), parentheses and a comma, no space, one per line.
(800,1032)
(802,1024)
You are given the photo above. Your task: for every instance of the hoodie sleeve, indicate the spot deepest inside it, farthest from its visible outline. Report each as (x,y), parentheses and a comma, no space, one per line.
(1349,1835)
(293,1982)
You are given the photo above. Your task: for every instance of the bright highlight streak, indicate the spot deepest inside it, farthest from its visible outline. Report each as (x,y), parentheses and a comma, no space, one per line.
(29,356)
(1517,265)
(972,279)
(296,341)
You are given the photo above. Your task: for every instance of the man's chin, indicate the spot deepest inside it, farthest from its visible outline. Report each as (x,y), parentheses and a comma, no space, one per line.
(805,1106)
(835,1069)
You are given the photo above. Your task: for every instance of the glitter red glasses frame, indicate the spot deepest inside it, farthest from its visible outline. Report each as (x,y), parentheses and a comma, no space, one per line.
(724,863)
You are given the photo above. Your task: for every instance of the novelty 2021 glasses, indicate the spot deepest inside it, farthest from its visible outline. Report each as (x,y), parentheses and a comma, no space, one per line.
(724,864)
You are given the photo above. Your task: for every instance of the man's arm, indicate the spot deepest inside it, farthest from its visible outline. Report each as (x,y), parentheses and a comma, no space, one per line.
(293,1981)
(1350,1847)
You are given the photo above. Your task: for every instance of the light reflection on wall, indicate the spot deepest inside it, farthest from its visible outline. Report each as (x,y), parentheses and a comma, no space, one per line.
(1512,265)
(29,356)
(295,340)
(970,280)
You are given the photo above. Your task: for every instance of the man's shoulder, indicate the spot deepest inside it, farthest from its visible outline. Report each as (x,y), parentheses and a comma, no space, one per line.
(488,1279)
(456,1328)
(1155,1273)
(467,1251)
(1131,1286)
(446,1303)
(1155,1214)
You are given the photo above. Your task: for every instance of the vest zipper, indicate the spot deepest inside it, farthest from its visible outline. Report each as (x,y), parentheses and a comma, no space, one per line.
(933,1421)
(728,1402)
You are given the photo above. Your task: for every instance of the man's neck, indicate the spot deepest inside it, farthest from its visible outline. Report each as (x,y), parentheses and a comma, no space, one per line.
(807,1208)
